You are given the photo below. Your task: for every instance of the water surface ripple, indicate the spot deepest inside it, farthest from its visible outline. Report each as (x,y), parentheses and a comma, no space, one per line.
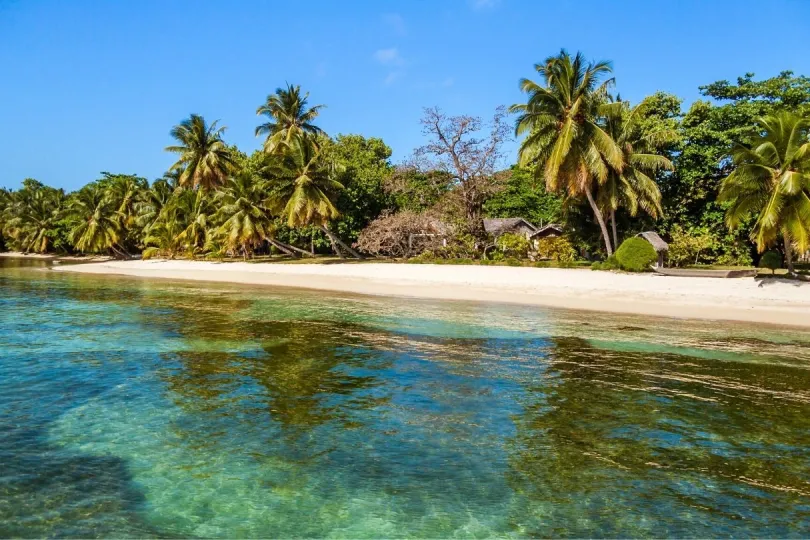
(157,409)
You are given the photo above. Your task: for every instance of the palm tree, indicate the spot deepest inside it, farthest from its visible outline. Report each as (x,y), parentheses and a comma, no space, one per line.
(633,186)
(191,211)
(153,201)
(771,179)
(288,116)
(246,222)
(97,227)
(32,219)
(163,239)
(565,141)
(205,160)
(304,188)
(126,193)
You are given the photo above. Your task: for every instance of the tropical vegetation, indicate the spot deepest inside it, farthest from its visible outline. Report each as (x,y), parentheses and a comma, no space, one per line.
(722,181)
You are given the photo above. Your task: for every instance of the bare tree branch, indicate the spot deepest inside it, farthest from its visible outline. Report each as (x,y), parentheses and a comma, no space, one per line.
(468,151)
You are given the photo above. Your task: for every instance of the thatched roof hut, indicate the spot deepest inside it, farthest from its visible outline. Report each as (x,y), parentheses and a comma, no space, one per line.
(657,243)
(547,231)
(517,225)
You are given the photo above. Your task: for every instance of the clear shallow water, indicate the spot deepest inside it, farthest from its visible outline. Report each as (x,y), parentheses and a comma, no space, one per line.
(138,408)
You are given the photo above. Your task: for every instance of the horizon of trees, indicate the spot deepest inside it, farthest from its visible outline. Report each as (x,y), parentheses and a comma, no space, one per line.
(722,181)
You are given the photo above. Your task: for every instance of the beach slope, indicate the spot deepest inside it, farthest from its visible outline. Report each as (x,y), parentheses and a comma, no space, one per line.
(772,301)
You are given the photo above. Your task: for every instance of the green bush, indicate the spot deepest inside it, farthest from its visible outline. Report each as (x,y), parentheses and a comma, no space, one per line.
(511,261)
(513,245)
(771,260)
(611,263)
(556,248)
(636,255)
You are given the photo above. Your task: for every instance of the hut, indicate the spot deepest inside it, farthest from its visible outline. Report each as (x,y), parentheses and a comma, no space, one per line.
(548,231)
(658,244)
(499,226)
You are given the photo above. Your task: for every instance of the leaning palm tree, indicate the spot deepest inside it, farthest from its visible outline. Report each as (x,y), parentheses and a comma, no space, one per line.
(304,188)
(192,211)
(564,140)
(245,221)
(163,239)
(633,186)
(152,203)
(771,180)
(289,116)
(32,220)
(205,160)
(97,228)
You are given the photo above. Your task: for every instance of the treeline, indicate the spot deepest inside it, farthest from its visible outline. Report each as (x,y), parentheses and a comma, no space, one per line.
(721,181)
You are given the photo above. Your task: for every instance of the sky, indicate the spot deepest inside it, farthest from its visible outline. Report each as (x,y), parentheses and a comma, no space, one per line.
(90,86)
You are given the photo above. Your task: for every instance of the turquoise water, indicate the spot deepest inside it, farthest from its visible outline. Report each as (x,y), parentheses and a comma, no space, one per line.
(143,408)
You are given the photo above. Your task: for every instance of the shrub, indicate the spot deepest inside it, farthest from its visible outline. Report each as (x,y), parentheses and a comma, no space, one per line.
(511,261)
(513,245)
(686,246)
(771,260)
(557,248)
(611,263)
(636,255)
(400,235)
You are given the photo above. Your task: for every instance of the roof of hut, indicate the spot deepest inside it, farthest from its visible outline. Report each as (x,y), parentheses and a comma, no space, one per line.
(496,226)
(545,228)
(657,243)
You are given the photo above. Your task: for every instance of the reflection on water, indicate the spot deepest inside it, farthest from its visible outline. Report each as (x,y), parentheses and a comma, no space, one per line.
(137,408)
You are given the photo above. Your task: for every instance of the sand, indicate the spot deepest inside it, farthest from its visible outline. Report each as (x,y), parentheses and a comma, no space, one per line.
(773,301)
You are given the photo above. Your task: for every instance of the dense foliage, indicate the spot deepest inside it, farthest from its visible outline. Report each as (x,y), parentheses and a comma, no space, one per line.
(722,182)
(635,255)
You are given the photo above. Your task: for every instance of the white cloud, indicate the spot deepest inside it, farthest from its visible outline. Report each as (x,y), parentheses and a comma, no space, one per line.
(396,22)
(388,57)
(448,82)
(484,4)
(392,77)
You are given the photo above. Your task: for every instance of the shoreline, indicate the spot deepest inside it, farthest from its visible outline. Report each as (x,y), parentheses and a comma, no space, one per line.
(778,302)
(52,257)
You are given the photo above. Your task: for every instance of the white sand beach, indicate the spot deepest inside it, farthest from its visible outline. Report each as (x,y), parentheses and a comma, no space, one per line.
(770,301)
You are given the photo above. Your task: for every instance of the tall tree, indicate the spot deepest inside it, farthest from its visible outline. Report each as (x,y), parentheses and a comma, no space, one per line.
(561,122)
(96,227)
(772,180)
(289,115)
(205,160)
(304,188)
(466,151)
(363,165)
(246,222)
(633,186)
(710,129)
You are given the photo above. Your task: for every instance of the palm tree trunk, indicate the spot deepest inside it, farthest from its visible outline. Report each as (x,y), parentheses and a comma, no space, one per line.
(600,218)
(788,254)
(338,242)
(282,247)
(613,225)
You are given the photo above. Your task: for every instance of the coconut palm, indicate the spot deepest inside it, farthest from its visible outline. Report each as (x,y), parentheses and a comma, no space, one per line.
(163,239)
(191,211)
(289,116)
(97,228)
(205,160)
(304,189)
(246,222)
(564,140)
(633,187)
(771,180)
(31,219)
(153,201)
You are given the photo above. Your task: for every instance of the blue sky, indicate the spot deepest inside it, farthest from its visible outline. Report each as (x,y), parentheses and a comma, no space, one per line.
(90,86)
